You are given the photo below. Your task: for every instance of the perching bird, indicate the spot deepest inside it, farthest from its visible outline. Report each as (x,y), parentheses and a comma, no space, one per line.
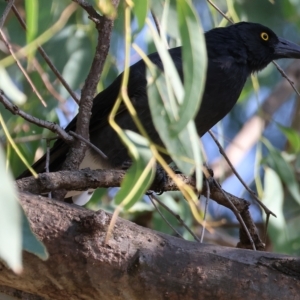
(234,53)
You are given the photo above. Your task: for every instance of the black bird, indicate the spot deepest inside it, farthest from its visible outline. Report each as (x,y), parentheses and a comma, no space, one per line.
(234,53)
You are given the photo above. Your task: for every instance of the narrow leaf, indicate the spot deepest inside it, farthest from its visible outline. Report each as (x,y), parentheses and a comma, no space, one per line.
(140,10)
(292,136)
(140,175)
(32,13)
(194,62)
(273,197)
(10,220)
(284,170)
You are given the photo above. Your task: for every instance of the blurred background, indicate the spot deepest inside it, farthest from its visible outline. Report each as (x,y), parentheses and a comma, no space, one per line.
(260,135)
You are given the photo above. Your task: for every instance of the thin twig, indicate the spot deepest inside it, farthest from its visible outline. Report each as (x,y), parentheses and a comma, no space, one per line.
(103,156)
(267,211)
(47,59)
(45,78)
(6,12)
(93,15)
(281,71)
(219,10)
(237,214)
(21,68)
(14,109)
(156,22)
(207,197)
(181,222)
(163,217)
(266,229)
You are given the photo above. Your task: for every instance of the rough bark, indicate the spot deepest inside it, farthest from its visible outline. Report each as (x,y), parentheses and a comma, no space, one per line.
(138,263)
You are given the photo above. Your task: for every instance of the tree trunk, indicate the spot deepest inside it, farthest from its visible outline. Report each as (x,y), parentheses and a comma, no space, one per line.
(138,263)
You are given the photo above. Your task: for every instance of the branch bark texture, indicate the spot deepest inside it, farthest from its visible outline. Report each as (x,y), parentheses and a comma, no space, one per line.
(138,263)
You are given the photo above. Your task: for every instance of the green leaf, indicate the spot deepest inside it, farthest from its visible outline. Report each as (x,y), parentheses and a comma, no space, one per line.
(106,7)
(32,13)
(10,89)
(184,148)
(284,170)
(140,175)
(292,136)
(194,62)
(165,10)
(30,242)
(10,220)
(140,10)
(273,197)
(173,84)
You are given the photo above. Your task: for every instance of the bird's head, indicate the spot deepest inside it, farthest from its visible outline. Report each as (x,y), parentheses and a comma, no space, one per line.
(249,44)
(263,45)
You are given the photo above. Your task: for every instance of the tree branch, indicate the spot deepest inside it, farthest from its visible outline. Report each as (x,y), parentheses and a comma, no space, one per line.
(137,259)
(85,179)
(104,27)
(14,109)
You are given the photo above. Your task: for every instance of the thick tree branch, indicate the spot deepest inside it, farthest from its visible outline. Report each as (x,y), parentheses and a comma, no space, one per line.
(139,263)
(85,179)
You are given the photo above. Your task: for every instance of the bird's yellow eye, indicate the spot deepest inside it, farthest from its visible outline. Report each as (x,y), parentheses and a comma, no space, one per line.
(264,36)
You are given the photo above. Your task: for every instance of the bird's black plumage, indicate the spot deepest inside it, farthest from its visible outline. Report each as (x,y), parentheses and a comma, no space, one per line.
(234,53)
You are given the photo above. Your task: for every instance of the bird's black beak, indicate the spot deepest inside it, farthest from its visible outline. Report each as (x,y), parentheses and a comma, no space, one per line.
(286,49)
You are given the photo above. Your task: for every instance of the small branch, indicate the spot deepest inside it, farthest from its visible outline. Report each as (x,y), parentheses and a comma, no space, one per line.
(104,27)
(93,15)
(45,78)
(281,71)
(14,109)
(97,150)
(266,210)
(21,68)
(207,197)
(219,10)
(181,222)
(156,22)
(238,216)
(6,12)
(47,59)
(150,195)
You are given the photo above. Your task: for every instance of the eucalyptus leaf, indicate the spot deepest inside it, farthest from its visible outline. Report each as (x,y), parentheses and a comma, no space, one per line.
(10,89)
(10,220)
(140,10)
(158,7)
(141,173)
(276,161)
(194,61)
(292,136)
(181,147)
(32,13)
(273,197)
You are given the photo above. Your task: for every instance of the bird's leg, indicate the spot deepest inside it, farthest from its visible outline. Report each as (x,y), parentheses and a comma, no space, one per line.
(160,177)
(126,165)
